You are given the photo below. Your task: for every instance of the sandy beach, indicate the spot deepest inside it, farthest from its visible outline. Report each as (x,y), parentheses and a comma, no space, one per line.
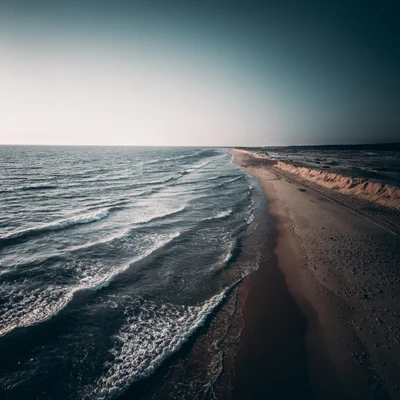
(322,316)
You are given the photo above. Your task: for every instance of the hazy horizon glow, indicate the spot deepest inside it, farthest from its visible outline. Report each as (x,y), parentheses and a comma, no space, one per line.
(148,80)
(138,97)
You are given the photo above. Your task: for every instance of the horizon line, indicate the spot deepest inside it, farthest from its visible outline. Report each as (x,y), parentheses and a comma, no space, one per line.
(214,146)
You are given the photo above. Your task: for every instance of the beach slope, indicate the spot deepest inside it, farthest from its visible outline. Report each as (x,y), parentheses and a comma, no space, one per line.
(339,258)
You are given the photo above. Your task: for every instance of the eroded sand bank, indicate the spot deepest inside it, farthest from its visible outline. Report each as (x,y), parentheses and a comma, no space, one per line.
(383,194)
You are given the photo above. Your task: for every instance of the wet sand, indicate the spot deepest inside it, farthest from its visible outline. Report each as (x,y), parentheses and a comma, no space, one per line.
(322,316)
(273,338)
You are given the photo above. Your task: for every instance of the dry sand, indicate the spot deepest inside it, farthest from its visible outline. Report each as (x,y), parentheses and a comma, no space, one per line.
(325,322)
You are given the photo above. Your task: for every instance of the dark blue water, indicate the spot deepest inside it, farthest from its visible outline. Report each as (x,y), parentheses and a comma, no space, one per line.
(111,258)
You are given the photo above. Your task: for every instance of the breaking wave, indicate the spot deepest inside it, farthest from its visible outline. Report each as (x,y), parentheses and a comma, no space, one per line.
(172,158)
(226,258)
(152,217)
(27,305)
(56,225)
(135,357)
(221,214)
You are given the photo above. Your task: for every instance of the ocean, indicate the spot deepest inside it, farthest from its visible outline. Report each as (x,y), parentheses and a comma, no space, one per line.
(111,259)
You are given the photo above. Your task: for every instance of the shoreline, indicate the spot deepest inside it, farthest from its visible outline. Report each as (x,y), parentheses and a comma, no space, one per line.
(287,330)
(272,346)
(319,249)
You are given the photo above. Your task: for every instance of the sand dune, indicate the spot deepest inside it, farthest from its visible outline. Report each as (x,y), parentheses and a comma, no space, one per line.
(363,188)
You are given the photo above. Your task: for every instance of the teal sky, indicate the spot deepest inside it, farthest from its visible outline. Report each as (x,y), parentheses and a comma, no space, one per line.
(199,73)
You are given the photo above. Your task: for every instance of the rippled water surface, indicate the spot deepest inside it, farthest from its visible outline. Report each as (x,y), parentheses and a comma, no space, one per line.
(110,258)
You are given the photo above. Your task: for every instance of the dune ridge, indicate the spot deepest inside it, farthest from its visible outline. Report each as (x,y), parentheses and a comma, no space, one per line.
(363,188)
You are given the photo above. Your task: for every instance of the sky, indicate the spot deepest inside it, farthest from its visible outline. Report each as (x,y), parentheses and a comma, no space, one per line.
(209,73)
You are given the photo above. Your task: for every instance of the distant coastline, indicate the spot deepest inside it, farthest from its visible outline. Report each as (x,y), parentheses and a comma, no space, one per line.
(348,169)
(394,146)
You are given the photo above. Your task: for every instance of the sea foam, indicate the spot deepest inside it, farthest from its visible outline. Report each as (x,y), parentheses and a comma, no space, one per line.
(58,224)
(135,356)
(221,214)
(28,305)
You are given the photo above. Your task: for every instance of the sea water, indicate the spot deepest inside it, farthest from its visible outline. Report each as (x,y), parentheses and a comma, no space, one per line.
(110,259)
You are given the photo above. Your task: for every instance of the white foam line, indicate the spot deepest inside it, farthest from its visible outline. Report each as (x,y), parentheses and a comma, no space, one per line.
(59,224)
(106,279)
(229,254)
(152,218)
(136,357)
(108,239)
(170,158)
(39,305)
(222,214)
